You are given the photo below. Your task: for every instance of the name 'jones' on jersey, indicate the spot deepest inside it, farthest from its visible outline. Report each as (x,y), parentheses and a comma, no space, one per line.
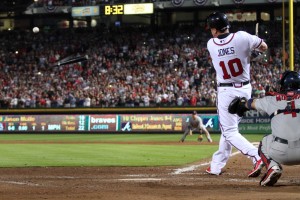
(226,51)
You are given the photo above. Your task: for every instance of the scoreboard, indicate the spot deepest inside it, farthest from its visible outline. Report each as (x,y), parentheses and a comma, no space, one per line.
(101,123)
(114,10)
(128,9)
(57,123)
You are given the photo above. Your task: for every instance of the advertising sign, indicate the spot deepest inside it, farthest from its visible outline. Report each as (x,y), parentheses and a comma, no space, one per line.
(103,123)
(85,11)
(163,122)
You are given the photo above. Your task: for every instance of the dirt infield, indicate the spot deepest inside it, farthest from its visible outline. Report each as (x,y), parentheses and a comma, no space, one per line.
(145,183)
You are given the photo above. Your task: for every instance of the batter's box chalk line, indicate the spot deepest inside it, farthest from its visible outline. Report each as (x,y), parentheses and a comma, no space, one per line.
(194,167)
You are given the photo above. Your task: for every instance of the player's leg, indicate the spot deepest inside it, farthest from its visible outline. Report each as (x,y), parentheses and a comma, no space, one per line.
(206,133)
(229,126)
(186,132)
(264,151)
(230,132)
(220,157)
(274,169)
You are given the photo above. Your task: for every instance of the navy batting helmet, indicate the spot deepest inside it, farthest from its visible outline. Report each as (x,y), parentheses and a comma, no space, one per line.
(290,81)
(218,21)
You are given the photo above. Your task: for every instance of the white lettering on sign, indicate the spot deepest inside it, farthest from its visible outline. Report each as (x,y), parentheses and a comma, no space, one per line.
(103,120)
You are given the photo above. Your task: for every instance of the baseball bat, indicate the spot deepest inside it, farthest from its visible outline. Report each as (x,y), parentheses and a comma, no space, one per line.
(257,56)
(68,60)
(256,28)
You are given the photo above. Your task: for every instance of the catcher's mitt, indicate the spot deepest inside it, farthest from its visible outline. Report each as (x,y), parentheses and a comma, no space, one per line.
(200,138)
(238,106)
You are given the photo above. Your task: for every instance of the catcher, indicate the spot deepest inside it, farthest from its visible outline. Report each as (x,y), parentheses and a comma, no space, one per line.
(282,146)
(196,124)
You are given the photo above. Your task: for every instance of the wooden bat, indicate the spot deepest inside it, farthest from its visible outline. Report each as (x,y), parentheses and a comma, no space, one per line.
(256,28)
(69,60)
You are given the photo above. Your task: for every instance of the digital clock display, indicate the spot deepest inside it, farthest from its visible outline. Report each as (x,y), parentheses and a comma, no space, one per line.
(114,10)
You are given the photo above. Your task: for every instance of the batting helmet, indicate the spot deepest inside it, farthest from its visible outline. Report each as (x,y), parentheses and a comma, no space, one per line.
(218,21)
(290,81)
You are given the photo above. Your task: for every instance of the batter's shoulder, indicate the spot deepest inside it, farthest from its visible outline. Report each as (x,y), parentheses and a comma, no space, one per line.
(209,41)
(242,33)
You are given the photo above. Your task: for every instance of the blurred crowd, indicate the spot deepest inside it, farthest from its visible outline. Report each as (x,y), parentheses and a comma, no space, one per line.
(41,3)
(126,67)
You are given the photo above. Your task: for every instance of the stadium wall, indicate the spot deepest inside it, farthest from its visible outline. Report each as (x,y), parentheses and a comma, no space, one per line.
(120,120)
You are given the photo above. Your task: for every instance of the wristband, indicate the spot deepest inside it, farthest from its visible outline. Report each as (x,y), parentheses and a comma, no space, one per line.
(249,102)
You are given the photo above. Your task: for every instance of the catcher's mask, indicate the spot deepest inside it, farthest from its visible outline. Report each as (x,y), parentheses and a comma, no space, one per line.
(218,21)
(290,81)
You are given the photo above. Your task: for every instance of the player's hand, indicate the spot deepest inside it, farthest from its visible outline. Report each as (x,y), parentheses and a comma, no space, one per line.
(238,106)
(255,54)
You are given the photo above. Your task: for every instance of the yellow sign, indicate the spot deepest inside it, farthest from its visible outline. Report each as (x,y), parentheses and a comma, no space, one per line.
(141,8)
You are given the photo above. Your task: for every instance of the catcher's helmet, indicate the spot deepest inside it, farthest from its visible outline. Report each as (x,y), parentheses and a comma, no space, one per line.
(218,21)
(290,81)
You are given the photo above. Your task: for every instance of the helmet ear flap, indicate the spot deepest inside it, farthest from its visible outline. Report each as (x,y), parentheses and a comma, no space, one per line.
(281,82)
(283,77)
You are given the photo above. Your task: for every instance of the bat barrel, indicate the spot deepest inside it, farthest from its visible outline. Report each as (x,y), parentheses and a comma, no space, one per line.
(72,60)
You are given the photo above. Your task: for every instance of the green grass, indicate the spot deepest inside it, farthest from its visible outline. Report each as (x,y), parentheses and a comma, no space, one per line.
(99,155)
(111,137)
(66,153)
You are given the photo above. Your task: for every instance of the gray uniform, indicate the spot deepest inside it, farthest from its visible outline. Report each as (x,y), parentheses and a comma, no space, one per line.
(194,125)
(283,145)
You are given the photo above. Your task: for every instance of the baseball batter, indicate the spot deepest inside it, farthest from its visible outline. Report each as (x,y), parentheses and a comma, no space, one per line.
(283,145)
(230,53)
(196,124)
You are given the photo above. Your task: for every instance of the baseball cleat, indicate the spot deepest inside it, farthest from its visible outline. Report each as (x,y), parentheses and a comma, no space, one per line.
(209,140)
(257,169)
(272,176)
(209,172)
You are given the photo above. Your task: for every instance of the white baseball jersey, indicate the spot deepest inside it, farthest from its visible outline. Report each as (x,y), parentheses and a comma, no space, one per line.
(230,56)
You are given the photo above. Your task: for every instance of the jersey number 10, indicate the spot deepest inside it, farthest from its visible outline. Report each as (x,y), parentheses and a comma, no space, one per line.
(235,67)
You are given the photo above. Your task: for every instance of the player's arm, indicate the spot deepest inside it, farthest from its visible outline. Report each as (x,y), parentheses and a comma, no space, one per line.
(262,47)
(255,42)
(240,105)
(251,104)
